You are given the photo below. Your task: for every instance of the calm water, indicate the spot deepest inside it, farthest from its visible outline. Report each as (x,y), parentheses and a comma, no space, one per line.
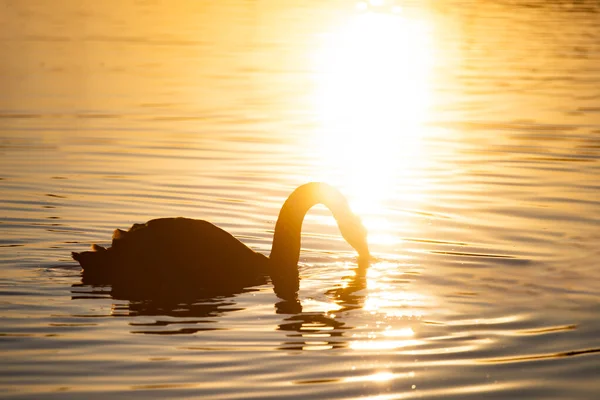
(466,134)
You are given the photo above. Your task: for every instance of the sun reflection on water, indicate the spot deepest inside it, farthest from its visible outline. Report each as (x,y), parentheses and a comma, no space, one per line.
(371,99)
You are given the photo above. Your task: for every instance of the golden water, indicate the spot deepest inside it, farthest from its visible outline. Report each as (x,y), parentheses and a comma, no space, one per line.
(466,134)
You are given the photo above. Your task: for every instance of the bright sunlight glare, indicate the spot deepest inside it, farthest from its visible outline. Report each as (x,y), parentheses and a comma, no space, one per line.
(371,100)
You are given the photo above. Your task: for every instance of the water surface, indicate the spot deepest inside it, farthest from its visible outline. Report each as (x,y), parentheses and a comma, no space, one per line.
(465,134)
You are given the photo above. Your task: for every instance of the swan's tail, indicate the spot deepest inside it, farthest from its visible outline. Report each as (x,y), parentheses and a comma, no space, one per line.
(96,261)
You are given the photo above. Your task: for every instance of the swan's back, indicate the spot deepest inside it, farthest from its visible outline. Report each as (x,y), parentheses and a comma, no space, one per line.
(169,248)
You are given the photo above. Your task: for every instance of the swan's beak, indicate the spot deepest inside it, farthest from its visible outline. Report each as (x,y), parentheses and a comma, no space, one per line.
(365,257)
(363,251)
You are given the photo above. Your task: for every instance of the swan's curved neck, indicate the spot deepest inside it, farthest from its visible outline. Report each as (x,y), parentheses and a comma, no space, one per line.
(286,240)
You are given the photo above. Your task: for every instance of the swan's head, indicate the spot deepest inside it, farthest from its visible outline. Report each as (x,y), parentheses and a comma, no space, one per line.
(355,233)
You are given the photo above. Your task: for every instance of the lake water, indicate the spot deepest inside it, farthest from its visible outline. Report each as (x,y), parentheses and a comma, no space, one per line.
(465,134)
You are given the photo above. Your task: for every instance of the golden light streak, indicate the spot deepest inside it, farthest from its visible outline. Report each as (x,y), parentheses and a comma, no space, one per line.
(371,99)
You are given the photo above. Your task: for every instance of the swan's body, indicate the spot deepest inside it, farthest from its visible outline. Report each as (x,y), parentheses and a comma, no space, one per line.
(183,249)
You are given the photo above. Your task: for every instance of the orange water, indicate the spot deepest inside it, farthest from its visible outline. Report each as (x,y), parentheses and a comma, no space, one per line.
(466,135)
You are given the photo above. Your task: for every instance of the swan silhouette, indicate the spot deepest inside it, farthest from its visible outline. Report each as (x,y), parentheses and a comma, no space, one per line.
(190,251)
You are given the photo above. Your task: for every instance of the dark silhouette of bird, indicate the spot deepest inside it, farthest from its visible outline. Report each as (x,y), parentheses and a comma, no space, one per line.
(184,252)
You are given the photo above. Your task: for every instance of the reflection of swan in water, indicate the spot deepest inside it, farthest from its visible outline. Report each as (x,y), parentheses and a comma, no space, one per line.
(194,309)
(184,251)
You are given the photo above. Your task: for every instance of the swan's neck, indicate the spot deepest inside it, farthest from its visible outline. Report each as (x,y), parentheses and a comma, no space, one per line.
(286,240)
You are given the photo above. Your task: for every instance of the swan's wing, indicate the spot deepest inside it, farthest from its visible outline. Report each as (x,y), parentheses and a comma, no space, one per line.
(118,234)
(117,237)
